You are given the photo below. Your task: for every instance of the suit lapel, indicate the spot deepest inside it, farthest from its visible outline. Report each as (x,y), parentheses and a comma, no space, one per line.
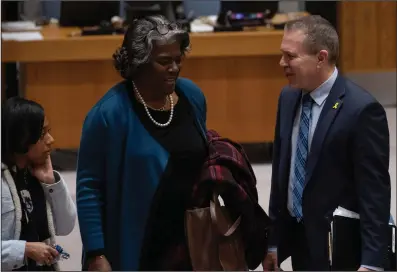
(331,109)
(290,113)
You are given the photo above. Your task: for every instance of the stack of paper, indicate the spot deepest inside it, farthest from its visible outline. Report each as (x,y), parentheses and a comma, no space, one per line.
(19,26)
(21,36)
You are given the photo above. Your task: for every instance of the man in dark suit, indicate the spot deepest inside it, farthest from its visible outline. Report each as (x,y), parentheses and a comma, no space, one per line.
(331,149)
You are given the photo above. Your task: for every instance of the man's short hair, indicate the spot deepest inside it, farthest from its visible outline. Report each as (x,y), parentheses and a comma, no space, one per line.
(320,35)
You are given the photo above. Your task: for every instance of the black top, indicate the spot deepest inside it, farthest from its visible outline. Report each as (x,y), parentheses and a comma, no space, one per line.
(34,221)
(182,138)
(187,148)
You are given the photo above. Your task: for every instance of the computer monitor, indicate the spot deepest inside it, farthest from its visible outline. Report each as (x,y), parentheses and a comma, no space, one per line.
(241,7)
(326,9)
(9,11)
(140,9)
(249,6)
(87,13)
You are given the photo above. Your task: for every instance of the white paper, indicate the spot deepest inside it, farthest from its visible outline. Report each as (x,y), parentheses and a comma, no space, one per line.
(201,25)
(21,36)
(340,211)
(19,26)
(346,213)
(196,28)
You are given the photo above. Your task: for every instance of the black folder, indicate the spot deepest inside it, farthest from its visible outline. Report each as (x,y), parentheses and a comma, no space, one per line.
(346,244)
(345,247)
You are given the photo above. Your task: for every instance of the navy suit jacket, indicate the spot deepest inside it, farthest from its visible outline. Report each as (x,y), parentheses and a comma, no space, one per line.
(348,166)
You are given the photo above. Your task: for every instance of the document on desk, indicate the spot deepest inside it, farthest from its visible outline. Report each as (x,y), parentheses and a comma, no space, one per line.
(345,242)
(19,26)
(22,36)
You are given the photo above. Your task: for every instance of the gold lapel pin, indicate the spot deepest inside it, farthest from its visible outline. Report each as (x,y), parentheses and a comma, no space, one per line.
(336,105)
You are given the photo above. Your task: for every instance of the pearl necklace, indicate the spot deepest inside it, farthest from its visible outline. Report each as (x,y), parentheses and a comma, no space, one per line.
(148,112)
(162,108)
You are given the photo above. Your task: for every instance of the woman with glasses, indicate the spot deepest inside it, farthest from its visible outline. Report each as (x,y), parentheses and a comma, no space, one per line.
(141,149)
(35,203)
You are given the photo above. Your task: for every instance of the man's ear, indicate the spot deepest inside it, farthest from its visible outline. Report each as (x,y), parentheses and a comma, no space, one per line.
(322,57)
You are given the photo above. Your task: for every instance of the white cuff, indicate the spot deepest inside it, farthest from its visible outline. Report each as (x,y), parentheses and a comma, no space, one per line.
(373,268)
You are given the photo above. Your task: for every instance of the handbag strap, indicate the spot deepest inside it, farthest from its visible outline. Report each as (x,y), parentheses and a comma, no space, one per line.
(213,204)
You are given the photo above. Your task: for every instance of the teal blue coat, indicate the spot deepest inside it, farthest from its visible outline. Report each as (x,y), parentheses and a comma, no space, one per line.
(119,169)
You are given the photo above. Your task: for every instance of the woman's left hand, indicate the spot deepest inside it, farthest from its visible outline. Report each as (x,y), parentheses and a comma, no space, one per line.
(44,172)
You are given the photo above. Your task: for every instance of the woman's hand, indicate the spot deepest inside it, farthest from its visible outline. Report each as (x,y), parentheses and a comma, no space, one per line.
(99,263)
(44,172)
(40,252)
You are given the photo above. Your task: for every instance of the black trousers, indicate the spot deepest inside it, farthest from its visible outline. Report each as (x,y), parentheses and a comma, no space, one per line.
(302,257)
(300,254)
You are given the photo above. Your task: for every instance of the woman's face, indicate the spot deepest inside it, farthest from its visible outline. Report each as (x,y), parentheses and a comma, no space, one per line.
(39,152)
(164,67)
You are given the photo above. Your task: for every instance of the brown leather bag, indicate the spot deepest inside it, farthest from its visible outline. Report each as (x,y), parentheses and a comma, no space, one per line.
(214,241)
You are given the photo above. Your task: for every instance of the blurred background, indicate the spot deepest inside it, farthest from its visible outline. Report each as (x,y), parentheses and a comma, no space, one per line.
(59,54)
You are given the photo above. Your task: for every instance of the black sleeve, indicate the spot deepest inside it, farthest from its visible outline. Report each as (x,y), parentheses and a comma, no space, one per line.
(274,202)
(372,179)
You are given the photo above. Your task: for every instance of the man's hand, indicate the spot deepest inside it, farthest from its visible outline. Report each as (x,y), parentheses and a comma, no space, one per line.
(270,263)
(40,252)
(99,263)
(44,173)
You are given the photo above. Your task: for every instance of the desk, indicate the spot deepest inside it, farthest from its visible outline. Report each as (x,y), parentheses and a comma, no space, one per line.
(237,71)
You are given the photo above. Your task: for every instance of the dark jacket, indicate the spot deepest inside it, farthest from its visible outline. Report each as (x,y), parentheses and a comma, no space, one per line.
(348,166)
(228,171)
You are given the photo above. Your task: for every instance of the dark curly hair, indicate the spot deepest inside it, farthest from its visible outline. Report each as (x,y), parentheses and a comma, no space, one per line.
(138,42)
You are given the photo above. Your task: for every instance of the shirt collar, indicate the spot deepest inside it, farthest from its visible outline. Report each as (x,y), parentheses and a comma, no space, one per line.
(321,93)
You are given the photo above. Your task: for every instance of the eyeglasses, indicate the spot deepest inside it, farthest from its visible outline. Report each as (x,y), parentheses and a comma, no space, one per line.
(163,29)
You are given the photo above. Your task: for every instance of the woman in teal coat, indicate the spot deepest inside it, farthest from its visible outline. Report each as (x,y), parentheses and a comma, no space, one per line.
(142,147)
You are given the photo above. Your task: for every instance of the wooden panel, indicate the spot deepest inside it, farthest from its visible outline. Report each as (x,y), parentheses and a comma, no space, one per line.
(387,25)
(67,90)
(237,71)
(241,94)
(367,36)
(59,46)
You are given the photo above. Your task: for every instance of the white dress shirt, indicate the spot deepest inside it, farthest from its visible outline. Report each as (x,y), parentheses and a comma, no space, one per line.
(319,95)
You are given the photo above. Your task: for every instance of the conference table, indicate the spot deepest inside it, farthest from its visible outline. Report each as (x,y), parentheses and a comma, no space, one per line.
(238,72)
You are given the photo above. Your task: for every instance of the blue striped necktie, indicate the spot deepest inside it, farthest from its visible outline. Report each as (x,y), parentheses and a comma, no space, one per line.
(302,149)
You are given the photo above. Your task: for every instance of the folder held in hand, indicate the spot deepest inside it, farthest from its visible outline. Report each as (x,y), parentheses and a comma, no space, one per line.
(345,242)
